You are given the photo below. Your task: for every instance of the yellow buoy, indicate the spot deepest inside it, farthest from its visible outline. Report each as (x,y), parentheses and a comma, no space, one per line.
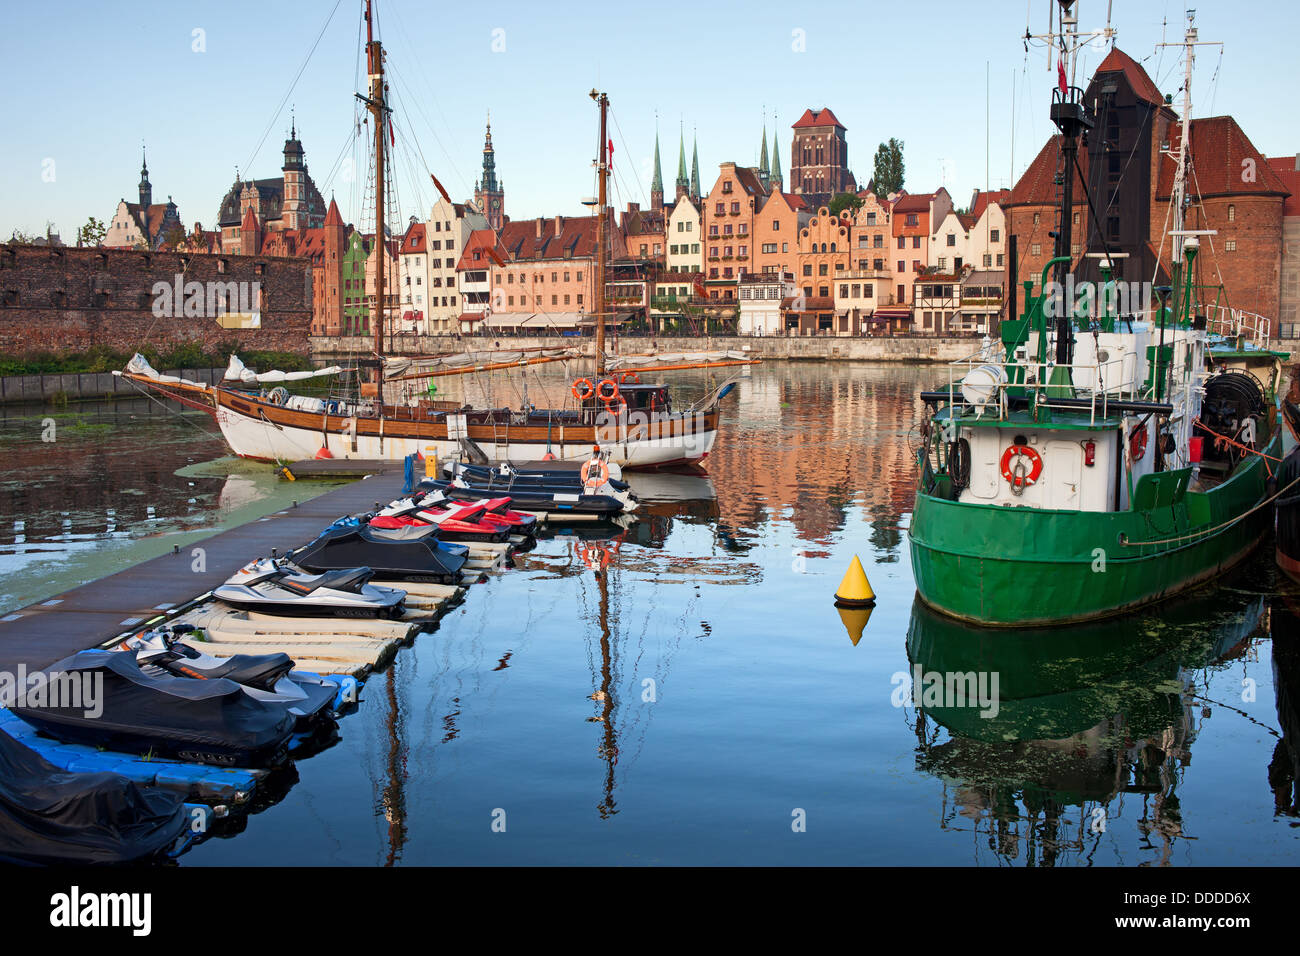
(855,621)
(855,589)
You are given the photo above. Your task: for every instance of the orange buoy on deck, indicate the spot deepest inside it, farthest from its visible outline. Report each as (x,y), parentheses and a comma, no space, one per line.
(855,589)
(324,452)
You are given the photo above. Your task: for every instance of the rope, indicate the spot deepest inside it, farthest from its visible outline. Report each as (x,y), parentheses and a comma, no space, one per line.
(1208,531)
(1224,438)
(181,415)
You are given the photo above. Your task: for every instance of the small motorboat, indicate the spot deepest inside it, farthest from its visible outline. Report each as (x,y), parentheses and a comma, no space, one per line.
(50,816)
(406,553)
(105,699)
(279,586)
(309,697)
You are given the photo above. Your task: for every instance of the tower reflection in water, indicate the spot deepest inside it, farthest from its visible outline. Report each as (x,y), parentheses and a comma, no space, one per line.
(1093,724)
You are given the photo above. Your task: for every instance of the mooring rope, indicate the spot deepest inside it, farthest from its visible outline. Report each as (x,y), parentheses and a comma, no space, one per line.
(1226,524)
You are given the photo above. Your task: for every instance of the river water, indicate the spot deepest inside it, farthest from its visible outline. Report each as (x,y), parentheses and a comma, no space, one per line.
(701,700)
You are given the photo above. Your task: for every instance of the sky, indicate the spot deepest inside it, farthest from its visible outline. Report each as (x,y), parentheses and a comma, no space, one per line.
(209,87)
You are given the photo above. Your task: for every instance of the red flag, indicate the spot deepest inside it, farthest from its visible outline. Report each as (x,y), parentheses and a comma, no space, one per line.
(1060,74)
(611,152)
(392,135)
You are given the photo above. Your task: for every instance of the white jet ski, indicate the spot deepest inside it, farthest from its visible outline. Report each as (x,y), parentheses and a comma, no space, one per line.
(278,586)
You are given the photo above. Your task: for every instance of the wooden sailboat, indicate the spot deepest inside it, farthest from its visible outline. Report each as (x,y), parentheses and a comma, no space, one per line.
(634,424)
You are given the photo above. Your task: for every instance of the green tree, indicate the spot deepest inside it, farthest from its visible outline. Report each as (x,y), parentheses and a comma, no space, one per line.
(22,238)
(888,173)
(841,201)
(174,235)
(92,233)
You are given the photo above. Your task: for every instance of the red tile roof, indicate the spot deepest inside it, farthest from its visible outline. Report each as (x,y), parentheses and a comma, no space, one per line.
(413,241)
(984,197)
(914,202)
(1219,154)
(577,239)
(1287,171)
(1117,61)
(332,218)
(823,117)
(1037,187)
(478,251)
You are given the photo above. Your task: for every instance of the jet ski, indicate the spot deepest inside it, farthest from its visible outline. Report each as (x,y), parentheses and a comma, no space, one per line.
(454,520)
(309,697)
(51,816)
(412,554)
(605,503)
(104,698)
(488,510)
(279,586)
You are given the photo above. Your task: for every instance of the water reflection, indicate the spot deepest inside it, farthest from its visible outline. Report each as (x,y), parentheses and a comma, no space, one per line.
(1086,716)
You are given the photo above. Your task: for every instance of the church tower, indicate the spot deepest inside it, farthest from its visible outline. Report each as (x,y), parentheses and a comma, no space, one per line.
(489,194)
(683,181)
(146,190)
(294,209)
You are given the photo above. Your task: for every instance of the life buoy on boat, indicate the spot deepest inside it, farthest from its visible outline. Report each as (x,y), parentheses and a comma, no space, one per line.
(1137,443)
(625,377)
(607,390)
(594,474)
(1018,479)
(583,389)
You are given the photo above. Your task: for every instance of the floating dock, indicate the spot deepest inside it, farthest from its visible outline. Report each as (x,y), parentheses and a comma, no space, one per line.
(93,614)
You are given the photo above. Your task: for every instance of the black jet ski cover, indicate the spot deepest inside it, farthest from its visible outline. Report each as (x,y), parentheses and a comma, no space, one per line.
(49,816)
(209,721)
(403,553)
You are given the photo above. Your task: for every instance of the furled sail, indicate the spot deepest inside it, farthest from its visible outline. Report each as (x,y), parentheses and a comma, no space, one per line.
(237,371)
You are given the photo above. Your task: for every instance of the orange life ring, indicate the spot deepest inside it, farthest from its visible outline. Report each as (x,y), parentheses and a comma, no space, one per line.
(594,473)
(632,377)
(586,393)
(615,403)
(1137,443)
(605,394)
(1035,466)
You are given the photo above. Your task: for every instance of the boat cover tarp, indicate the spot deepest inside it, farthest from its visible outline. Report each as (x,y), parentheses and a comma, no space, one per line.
(48,815)
(138,710)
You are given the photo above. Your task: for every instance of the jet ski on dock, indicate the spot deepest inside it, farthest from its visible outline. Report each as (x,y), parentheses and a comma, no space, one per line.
(278,586)
(409,554)
(105,699)
(309,697)
(603,503)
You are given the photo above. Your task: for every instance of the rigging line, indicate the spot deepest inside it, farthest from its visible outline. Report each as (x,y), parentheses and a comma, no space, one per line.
(289,92)
(181,415)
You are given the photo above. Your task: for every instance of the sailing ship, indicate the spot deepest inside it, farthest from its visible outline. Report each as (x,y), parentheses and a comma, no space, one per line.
(633,424)
(1098,461)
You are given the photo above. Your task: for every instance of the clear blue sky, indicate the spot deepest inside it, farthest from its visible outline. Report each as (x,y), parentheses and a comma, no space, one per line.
(88,82)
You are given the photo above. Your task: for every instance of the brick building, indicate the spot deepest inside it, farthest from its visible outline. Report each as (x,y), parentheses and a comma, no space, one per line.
(144,224)
(1288,313)
(287,203)
(729,215)
(490,192)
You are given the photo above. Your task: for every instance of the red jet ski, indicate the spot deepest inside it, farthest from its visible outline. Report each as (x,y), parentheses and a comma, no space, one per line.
(471,522)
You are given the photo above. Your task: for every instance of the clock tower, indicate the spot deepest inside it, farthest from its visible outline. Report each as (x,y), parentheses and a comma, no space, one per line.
(489,193)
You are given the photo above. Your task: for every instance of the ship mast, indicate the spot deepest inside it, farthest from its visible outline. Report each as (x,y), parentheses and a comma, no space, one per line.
(602,175)
(378,108)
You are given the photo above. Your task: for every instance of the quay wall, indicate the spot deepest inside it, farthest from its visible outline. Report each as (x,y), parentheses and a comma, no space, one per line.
(85,386)
(902,348)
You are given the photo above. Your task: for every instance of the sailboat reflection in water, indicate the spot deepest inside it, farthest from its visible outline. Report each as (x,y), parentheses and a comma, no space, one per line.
(1087,717)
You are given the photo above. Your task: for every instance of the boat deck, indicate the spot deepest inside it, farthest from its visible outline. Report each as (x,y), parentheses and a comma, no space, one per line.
(92,614)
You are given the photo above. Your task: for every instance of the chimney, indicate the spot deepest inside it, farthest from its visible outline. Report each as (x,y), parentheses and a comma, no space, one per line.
(539,228)
(559,226)
(1297,162)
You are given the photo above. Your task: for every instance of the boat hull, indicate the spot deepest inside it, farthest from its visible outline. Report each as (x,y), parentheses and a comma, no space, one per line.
(266,432)
(1028,567)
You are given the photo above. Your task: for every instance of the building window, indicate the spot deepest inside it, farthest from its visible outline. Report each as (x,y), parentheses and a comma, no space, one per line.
(952,240)
(916,242)
(994,235)
(776,225)
(807,269)
(726,186)
(1232,212)
(1036,249)
(911,219)
(1230,245)
(943,263)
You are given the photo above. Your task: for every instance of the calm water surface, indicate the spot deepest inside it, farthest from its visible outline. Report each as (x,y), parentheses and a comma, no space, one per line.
(702,701)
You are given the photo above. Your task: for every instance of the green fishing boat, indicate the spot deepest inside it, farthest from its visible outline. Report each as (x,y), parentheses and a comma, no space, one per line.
(1097,459)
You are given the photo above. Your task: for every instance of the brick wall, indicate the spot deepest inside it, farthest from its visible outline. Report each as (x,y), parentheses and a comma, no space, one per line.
(67,299)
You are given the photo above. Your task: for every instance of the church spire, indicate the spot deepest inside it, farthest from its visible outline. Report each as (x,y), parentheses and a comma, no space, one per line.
(683,181)
(657,184)
(764,174)
(775,172)
(146,190)
(489,192)
(695,170)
